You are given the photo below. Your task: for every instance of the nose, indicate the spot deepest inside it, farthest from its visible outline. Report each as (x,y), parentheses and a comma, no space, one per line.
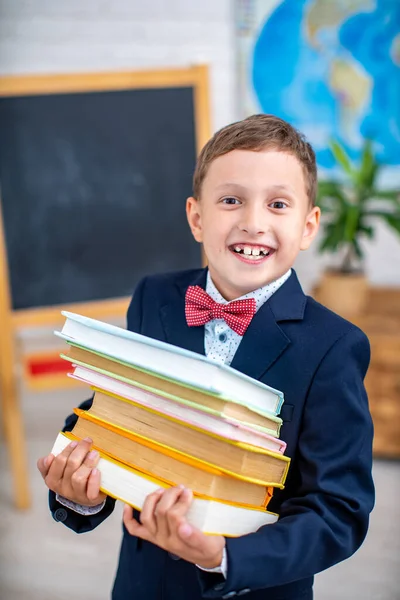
(253,220)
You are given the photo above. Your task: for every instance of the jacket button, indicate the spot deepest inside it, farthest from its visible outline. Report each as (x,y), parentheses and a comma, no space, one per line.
(174,556)
(60,515)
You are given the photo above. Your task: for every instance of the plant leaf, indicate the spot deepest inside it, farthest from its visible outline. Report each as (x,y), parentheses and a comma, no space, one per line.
(388,194)
(342,158)
(351,223)
(357,249)
(391,195)
(369,167)
(334,234)
(367,230)
(392,219)
(330,190)
(329,243)
(348,206)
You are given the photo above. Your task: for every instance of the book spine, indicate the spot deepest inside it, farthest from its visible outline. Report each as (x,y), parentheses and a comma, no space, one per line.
(242,445)
(178,455)
(168,409)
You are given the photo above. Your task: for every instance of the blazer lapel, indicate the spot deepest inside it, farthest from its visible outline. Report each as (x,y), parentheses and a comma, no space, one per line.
(264,340)
(173,318)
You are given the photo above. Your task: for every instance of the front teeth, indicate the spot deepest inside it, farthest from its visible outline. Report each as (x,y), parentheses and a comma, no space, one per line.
(248,251)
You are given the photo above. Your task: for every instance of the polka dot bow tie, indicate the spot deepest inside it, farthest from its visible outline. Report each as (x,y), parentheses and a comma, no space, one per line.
(201,308)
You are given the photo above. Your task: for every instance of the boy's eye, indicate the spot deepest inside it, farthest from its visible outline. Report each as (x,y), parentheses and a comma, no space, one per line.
(278,204)
(230,200)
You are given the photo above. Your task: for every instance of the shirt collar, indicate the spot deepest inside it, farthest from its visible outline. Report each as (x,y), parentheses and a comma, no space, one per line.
(261,295)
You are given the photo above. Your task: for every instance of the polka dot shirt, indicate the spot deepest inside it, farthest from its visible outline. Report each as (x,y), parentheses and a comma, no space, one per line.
(220,342)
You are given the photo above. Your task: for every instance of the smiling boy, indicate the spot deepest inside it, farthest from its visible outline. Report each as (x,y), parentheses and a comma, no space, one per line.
(253,210)
(253,215)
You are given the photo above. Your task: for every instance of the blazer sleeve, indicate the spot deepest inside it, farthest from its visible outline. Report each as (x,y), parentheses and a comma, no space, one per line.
(327,520)
(75,521)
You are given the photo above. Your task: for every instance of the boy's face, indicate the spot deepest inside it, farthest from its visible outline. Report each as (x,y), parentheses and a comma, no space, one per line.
(253,218)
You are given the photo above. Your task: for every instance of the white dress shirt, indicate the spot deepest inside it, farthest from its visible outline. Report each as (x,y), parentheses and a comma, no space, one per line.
(220,341)
(220,345)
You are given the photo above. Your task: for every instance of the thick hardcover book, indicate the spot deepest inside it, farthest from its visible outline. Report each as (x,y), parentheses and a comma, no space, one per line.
(145,424)
(181,411)
(211,516)
(173,467)
(177,392)
(170,361)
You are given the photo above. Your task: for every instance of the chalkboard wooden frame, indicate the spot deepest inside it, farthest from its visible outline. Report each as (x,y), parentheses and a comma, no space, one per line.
(195,77)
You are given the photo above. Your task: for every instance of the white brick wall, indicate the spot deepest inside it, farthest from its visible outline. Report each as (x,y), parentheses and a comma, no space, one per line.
(54,36)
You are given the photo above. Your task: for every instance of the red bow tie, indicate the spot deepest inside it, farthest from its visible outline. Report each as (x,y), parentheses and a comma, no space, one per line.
(201,308)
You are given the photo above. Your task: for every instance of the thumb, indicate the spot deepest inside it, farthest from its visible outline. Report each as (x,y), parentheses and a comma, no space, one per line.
(44,464)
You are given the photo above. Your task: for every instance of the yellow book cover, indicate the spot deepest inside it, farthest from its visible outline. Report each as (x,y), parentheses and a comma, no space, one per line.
(257,473)
(209,515)
(202,479)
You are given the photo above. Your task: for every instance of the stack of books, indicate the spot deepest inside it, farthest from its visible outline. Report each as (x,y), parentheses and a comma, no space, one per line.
(163,416)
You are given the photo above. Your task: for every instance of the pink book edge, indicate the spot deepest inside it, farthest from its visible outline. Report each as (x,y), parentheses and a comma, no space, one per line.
(280,443)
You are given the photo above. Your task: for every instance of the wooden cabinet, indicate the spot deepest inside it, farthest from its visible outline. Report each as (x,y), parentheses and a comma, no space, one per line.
(383,386)
(381,323)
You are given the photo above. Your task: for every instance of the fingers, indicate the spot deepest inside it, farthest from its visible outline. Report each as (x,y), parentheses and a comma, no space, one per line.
(164,509)
(80,474)
(163,522)
(76,458)
(93,485)
(53,469)
(44,464)
(147,515)
(175,513)
(168,511)
(155,515)
(183,503)
(133,527)
(56,472)
(70,473)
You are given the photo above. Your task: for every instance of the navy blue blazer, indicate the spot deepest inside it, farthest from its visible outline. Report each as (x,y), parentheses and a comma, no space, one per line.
(319,361)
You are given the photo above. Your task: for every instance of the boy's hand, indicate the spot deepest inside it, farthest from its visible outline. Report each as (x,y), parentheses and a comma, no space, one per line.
(73,474)
(163,522)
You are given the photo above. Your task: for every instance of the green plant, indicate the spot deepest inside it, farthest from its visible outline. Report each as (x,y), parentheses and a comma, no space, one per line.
(349,209)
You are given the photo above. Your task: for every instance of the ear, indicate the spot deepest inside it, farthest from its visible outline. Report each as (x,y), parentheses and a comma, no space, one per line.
(311,227)
(193,214)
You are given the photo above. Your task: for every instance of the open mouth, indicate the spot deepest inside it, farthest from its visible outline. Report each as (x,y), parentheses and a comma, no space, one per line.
(255,253)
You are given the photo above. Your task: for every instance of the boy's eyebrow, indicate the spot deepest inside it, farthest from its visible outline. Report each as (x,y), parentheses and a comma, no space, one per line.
(279,187)
(282,187)
(230,184)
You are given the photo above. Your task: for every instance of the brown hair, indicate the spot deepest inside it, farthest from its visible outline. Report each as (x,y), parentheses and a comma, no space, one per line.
(259,132)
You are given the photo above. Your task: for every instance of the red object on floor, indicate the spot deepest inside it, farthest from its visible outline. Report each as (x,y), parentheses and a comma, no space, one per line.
(49,365)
